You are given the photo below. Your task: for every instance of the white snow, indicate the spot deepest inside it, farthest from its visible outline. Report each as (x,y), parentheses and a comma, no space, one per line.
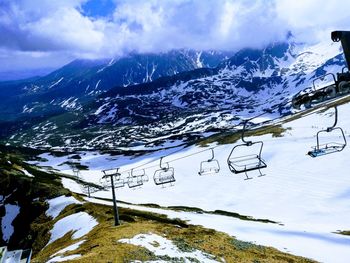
(56,205)
(56,83)
(80,223)
(198,60)
(27,173)
(61,258)
(97,84)
(308,196)
(161,246)
(11,212)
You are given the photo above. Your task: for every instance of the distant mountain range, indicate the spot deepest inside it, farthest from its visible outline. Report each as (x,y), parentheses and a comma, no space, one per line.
(155,99)
(11,75)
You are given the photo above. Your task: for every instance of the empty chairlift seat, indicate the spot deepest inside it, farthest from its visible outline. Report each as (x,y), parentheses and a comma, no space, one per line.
(336,144)
(210,166)
(136,179)
(165,175)
(240,162)
(112,174)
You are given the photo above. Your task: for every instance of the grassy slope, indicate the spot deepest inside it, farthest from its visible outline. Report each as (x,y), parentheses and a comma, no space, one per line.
(32,226)
(102,242)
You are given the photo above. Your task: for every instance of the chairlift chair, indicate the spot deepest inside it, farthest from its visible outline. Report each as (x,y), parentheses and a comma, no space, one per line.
(210,166)
(164,175)
(134,180)
(330,147)
(118,181)
(244,164)
(144,176)
(76,172)
(105,182)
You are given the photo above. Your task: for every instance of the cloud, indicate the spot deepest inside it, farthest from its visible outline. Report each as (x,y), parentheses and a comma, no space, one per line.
(62,28)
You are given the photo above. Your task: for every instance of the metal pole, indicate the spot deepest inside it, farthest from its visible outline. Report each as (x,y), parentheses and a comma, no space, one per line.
(115,208)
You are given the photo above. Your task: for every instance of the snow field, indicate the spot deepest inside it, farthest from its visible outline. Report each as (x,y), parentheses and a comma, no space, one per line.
(309,196)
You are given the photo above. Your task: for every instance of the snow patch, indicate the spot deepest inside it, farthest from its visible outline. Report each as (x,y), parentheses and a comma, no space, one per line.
(161,246)
(11,212)
(69,248)
(56,205)
(80,224)
(61,259)
(56,83)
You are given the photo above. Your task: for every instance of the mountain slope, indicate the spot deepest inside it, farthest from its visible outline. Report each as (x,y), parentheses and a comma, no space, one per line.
(183,107)
(307,197)
(38,213)
(66,89)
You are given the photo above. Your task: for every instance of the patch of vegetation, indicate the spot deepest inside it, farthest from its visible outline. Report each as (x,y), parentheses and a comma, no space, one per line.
(102,244)
(242,217)
(28,192)
(345,233)
(232,137)
(156,217)
(75,165)
(243,245)
(182,245)
(186,209)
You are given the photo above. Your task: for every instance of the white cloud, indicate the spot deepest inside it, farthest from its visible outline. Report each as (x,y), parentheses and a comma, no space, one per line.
(60,27)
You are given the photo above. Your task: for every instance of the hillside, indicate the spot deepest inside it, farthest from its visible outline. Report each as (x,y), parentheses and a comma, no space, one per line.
(181,108)
(47,216)
(300,198)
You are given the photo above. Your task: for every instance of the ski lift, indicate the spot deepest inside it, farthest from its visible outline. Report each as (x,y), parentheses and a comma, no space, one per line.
(330,147)
(164,175)
(246,163)
(144,176)
(210,166)
(76,172)
(118,181)
(134,180)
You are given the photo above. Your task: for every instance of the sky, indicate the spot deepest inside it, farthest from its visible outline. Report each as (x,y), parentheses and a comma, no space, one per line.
(36,34)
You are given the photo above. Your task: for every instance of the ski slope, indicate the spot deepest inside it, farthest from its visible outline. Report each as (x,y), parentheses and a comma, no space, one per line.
(309,197)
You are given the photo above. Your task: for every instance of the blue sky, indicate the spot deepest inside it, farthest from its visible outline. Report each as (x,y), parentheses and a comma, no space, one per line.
(47,33)
(99,8)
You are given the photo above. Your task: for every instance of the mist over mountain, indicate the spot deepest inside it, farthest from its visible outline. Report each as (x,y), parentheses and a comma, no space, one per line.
(140,98)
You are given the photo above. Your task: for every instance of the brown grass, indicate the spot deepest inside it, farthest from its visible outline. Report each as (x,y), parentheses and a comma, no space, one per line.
(102,244)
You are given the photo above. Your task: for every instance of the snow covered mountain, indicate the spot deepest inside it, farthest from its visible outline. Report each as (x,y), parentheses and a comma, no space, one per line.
(184,106)
(82,80)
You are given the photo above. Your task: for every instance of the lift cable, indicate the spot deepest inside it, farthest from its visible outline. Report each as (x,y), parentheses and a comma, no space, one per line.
(257,125)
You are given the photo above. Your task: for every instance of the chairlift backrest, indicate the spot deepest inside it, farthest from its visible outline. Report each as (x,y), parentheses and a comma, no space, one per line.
(134,179)
(164,175)
(112,172)
(329,147)
(210,166)
(118,181)
(243,163)
(142,174)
